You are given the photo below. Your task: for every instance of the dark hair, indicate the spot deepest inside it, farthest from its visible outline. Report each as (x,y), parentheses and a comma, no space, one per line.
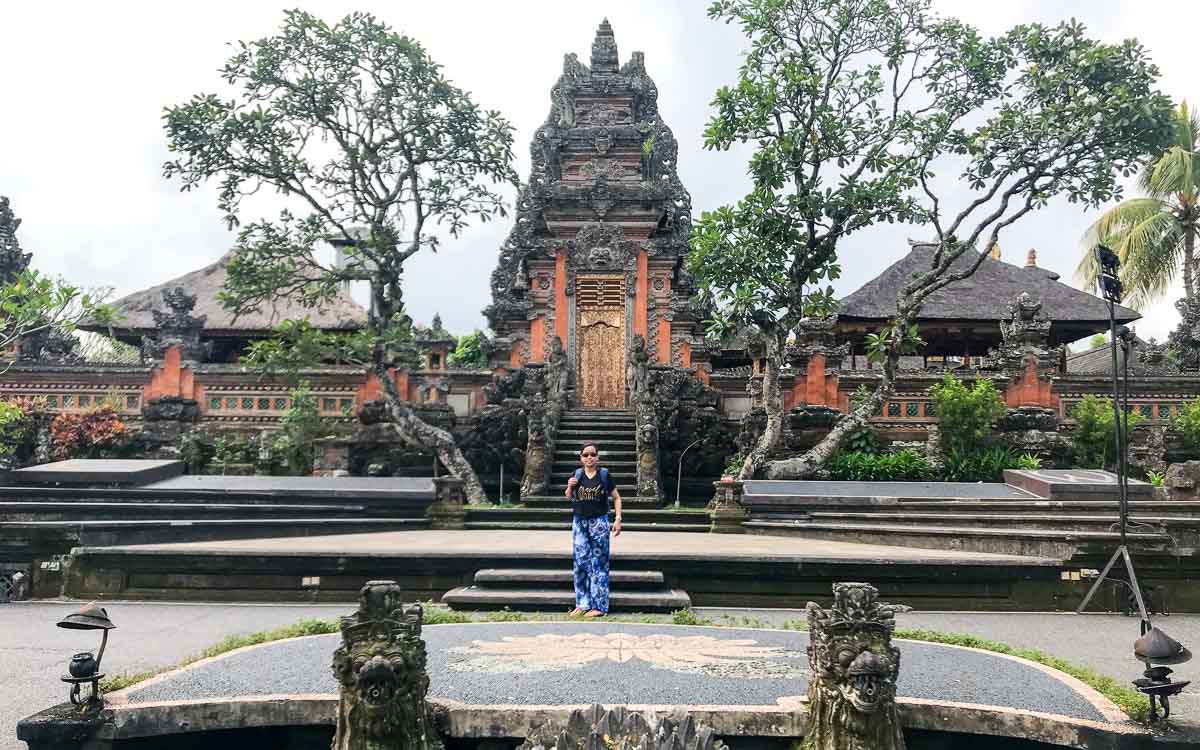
(585,446)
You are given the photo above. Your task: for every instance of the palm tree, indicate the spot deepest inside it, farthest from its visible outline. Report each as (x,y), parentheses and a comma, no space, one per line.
(1155,236)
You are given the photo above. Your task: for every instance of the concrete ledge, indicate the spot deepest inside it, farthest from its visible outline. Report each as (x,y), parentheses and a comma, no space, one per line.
(787,720)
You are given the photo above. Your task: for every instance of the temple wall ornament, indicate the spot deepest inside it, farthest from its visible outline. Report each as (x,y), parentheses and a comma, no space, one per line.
(1184,341)
(854,669)
(1025,333)
(622,729)
(177,327)
(380,669)
(13,262)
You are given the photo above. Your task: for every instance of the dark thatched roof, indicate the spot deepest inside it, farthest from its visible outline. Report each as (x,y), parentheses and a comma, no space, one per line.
(1098,360)
(984,296)
(134,314)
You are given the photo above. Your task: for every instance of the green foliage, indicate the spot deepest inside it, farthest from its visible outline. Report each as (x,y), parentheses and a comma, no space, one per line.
(1097,341)
(1156,478)
(688,617)
(31,303)
(468,353)
(879,345)
(16,427)
(977,464)
(369,143)
(1027,462)
(234,448)
(94,433)
(1187,424)
(1155,235)
(863,439)
(733,466)
(504,615)
(436,614)
(1133,703)
(1094,434)
(903,466)
(300,426)
(965,415)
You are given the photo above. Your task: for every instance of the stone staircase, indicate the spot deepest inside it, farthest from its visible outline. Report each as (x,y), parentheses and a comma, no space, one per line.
(552,590)
(614,433)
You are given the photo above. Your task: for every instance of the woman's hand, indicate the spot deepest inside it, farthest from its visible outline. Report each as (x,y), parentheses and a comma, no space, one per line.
(571,485)
(616,527)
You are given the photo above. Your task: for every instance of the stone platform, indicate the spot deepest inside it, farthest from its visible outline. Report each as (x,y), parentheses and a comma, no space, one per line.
(497,679)
(713,569)
(93,471)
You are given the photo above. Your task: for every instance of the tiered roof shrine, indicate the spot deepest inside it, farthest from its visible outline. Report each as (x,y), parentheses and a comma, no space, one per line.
(596,253)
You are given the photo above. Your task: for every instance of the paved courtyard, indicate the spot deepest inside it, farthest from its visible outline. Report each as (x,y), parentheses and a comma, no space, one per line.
(151,635)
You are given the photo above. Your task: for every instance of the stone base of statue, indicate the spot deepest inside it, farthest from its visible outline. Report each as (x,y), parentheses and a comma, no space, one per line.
(622,728)
(448,510)
(726,513)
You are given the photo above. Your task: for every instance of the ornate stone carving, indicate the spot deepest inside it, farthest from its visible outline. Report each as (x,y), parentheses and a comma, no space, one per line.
(380,668)
(177,327)
(546,386)
(816,336)
(622,729)
(49,346)
(852,690)
(1025,332)
(13,262)
(1184,341)
(1155,360)
(599,247)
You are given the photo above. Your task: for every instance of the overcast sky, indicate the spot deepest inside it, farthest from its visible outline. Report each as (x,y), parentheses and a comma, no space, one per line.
(85,83)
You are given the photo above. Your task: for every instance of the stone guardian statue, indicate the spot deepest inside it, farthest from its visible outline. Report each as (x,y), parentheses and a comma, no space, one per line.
(380,668)
(852,691)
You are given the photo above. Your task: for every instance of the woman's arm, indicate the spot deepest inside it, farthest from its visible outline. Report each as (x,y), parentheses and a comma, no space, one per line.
(616,496)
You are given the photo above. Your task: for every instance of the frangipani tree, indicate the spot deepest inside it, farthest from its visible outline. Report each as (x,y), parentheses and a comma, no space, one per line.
(371,146)
(868,111)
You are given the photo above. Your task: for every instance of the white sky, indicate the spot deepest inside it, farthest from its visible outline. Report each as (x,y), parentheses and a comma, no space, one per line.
(85,84)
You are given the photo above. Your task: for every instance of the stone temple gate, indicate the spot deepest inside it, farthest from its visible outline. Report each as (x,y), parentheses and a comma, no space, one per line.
(596,253)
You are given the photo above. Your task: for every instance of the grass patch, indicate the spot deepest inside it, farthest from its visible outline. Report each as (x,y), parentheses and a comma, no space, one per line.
(688,617)
(1133,703)
(504,615)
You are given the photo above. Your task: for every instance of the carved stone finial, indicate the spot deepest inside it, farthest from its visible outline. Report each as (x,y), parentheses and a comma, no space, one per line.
(1026,331)
(852,691)
(380,668)
(1031,259)
(13,262)
(604,50)
(177,327)
(623,729)
(1184,341)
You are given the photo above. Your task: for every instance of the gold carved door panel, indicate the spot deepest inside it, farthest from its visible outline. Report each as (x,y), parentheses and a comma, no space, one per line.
(600,342)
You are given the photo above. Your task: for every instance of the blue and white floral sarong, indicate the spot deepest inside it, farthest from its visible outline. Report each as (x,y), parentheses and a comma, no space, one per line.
(590,540)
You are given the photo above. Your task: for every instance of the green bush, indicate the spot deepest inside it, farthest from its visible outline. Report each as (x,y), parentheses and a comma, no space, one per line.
(904,466)
(1187,424)
(965,415)
(977,465)
(1027,462)
(1094,432)
(468,353)
(16,427)
(300,426)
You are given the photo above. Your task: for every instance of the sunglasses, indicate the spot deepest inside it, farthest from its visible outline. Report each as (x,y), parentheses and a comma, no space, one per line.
(588,453)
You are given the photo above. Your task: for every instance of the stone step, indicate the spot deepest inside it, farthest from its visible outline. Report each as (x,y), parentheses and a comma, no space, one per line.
(534,577)
(562,512)
(1059,544)
(603,438)
(607,456)
(615,468)
(629,500)
(110,511)
(476,597)
(1006,520)
(626,525)
(760,504)
(1074,484)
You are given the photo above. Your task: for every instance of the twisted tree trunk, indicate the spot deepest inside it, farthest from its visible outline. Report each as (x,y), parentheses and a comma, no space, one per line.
(413,428)
(773,405)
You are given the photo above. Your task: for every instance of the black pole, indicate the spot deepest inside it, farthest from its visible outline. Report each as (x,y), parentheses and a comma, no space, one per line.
(1116,402)
(1126,351)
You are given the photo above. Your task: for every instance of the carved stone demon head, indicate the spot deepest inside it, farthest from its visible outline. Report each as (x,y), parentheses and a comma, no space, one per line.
(855,668)
(381,669)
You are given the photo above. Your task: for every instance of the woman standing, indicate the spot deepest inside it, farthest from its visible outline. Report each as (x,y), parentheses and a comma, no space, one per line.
(590,489)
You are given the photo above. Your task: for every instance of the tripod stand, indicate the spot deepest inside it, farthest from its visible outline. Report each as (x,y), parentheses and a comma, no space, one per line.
(1110,287)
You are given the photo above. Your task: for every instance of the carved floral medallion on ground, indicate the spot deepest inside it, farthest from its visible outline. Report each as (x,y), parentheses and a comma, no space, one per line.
(742,658)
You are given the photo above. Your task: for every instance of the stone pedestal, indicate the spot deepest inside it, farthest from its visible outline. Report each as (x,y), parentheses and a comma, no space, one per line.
(726,511)
(61,727)
(331,458)
(448,510)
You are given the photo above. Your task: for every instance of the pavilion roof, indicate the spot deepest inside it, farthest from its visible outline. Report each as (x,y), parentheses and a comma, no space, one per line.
(984,296)
(133,312)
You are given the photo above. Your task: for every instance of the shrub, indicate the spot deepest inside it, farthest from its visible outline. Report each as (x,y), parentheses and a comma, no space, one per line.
(16,427)
(468,353)
(904,466)
(300,426)
(1187,424)
(233,448)
(978,464)
(1027,462)
(1157,478)
(89,434)
(965,415)
(1093,436)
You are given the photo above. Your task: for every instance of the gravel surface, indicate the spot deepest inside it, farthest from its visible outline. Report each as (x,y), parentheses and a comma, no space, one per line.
(691,664)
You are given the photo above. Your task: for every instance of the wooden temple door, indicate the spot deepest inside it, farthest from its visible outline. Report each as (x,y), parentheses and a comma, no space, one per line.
(600,342)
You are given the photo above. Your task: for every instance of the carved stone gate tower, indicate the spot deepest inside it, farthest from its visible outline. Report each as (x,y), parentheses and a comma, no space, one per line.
(596,253)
